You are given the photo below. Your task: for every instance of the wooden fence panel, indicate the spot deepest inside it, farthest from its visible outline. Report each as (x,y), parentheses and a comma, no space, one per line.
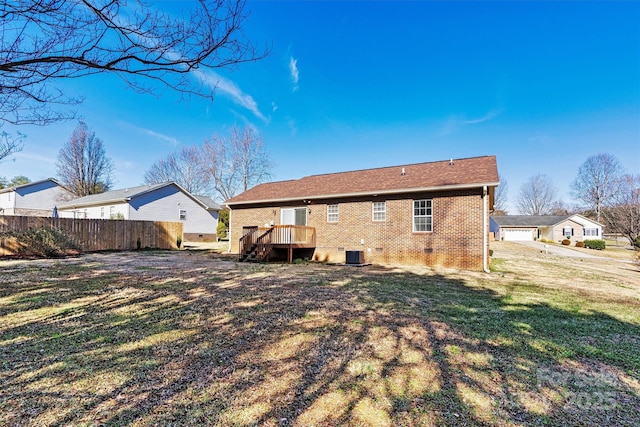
(97,234)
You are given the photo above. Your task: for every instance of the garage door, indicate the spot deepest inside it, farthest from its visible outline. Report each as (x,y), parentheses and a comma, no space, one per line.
(517,234)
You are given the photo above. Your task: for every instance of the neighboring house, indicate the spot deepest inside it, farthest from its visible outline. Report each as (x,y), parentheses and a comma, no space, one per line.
(156,202)
(33,199)
(433,213)
(551,227)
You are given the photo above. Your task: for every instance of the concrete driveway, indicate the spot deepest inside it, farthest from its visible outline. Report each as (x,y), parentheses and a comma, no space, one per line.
(558,250)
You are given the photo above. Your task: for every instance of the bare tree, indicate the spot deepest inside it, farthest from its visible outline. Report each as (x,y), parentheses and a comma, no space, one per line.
(237,162)
(183,167)
(622,212)
(150,49)
(500,200)
(596,181)
(537,196)
(83,166)
(9,144)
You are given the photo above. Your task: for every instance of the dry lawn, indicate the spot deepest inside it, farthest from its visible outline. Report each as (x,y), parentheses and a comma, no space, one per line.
(194,338)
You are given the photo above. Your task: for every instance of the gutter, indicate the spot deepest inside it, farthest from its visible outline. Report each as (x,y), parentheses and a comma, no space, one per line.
(366,193)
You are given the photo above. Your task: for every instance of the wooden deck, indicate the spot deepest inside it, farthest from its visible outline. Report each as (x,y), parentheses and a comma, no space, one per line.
(260,243)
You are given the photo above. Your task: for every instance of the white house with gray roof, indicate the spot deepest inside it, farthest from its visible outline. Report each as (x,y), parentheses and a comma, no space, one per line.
(33,199)
(155,202)
(576,228)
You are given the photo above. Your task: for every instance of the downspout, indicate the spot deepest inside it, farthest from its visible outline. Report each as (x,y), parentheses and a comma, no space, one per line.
(485,232)
(229,233)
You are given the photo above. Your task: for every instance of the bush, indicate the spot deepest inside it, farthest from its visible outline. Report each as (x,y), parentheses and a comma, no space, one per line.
(579,245)
(566,242)
(221,231)
(636,243)
(43,243)
(595,244)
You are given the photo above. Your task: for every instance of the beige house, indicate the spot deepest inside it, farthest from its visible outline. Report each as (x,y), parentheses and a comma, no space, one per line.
(576,228)
(434,213)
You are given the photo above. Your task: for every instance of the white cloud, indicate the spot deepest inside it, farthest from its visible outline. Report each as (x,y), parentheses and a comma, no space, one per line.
(455,122)
(295,74)
(274,107)
(231,90)
(171,140)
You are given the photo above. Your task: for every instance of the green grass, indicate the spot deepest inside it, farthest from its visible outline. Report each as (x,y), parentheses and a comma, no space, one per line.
(189,340)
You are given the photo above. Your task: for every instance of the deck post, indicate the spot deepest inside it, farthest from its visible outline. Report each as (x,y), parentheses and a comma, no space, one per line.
(290,257)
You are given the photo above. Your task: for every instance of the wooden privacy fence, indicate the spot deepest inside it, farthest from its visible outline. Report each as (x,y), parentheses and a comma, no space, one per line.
(98,234)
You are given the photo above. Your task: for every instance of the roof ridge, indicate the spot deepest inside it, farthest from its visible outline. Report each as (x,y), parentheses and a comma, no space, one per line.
(392,167)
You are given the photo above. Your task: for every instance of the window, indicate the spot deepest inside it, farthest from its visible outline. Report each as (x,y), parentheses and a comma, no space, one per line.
(567,231)
(102,212)
(422,218)
(183,214)
(332,213)
(379,211)
(591,232)
(112,211)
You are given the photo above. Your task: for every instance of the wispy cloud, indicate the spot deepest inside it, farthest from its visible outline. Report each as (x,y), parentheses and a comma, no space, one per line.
(295,74)
(231,90)
(454,123)
(171,140)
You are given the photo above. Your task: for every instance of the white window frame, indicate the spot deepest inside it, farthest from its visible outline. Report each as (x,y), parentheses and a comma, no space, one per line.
(333,213)
(182,214)
(591,232)
(428,214)
(379,211)
(101,211)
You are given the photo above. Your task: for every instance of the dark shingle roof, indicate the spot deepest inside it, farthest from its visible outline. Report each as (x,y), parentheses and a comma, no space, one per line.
(126,194)
(528,220)
(121,195)
(208,202)
(446,174)
(17,187)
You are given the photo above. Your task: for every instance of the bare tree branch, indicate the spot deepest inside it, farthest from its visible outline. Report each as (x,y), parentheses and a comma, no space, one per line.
(597,181)
(10,144)
(537,196)
(183,167)
(82,165)
(622,211)
(47,40)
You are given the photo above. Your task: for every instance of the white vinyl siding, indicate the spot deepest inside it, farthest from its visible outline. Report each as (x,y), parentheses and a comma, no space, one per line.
(422,215)
(379,211)
(332,213)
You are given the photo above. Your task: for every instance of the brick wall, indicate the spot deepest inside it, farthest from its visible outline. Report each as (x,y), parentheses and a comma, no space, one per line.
(455,240)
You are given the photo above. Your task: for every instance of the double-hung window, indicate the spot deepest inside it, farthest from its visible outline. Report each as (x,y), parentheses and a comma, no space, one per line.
(182,214)
(379,211)
(332,213)
(591,232)
(422,215)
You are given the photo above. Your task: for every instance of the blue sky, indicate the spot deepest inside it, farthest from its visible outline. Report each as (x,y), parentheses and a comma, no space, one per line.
(354,85)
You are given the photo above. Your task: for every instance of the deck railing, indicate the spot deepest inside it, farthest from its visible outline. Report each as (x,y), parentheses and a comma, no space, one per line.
(259,241)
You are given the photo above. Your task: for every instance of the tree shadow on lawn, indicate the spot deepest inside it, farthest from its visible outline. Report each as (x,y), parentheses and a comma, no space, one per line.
(222,343)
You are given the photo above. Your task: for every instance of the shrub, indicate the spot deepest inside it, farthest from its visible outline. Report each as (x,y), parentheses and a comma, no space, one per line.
(636,243)
(579,245)
(595,244)
(566,242)
(43,243)
(221,231)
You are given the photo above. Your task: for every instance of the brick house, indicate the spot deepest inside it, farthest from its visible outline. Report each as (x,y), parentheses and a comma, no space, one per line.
(434,213)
